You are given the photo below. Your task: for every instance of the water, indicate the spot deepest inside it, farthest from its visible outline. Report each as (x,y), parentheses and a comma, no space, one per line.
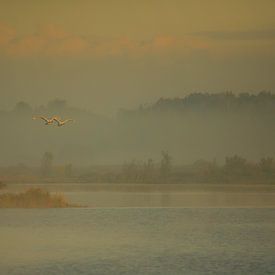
(171,199)
(137,241)
(161,195)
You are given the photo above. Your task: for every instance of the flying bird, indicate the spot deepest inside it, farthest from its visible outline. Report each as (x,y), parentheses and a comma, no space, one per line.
(62,122)
(48,121)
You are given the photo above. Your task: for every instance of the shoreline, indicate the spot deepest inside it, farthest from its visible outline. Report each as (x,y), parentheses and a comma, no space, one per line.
(157,196)
(140,187)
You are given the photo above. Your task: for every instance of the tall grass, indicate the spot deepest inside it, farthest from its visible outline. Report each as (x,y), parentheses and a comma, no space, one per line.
(34,198)
(2,185)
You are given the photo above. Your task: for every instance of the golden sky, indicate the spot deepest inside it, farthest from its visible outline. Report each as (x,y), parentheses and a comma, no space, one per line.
(157,39)
(143,18)
(110,27)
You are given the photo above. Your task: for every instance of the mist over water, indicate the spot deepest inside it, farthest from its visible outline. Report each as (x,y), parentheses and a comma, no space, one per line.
(208,127)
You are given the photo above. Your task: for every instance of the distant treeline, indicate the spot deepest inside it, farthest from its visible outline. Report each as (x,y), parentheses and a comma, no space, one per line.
(261,102)
(200,101)
(197,126)
(235,169)
(55,106)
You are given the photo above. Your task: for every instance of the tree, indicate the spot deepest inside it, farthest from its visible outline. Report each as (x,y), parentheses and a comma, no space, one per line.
(235,166)
(22,108)
(68,170)
(57,105)
(266,165)
(165,165)
(131,170)
(148,171)
(47,164)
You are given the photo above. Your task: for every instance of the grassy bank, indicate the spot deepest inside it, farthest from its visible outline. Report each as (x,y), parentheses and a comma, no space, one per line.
(33,198)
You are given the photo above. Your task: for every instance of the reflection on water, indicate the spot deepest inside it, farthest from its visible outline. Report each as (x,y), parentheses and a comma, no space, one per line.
(137,241)
(161,195)
(168,199)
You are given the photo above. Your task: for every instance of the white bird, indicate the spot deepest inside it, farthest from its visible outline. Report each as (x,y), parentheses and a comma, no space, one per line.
(48,121)
(62,122)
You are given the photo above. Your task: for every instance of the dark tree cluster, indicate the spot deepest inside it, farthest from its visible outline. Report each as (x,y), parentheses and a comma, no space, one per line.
(235,169)
(204,102)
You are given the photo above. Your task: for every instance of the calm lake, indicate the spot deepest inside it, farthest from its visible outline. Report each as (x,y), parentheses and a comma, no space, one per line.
(161,195)
(143,230)
(137,241)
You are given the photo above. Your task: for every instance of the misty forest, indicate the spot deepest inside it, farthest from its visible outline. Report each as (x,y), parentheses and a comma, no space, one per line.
(203,138)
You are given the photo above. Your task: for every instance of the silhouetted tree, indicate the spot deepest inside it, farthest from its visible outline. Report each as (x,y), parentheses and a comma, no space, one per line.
(266,165)
(57,105)
(262,102)
(22,108)
(130,170)
(148,172)
(68,170)
(47,164)
(165,165)
(235,166)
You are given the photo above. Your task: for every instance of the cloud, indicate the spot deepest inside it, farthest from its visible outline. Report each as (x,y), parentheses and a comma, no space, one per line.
(238,35)
(51,41)
(70,46)
(6,34)
(228,44)
(157,45)
(184,43)
(52,31)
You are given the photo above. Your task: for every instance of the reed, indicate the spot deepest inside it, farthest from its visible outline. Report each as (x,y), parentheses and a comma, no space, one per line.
(2,185)
(34,198)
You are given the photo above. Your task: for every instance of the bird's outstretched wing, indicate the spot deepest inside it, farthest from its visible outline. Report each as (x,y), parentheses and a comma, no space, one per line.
(68,120)
(41,117)
(56,119)
(62,122)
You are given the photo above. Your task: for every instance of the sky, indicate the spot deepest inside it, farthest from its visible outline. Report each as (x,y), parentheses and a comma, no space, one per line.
(106,55)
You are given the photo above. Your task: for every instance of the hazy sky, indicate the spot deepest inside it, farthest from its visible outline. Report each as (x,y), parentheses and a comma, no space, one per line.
(102,55)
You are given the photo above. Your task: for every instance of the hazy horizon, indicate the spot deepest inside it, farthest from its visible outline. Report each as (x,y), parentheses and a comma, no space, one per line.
(199,126)
(105,56)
